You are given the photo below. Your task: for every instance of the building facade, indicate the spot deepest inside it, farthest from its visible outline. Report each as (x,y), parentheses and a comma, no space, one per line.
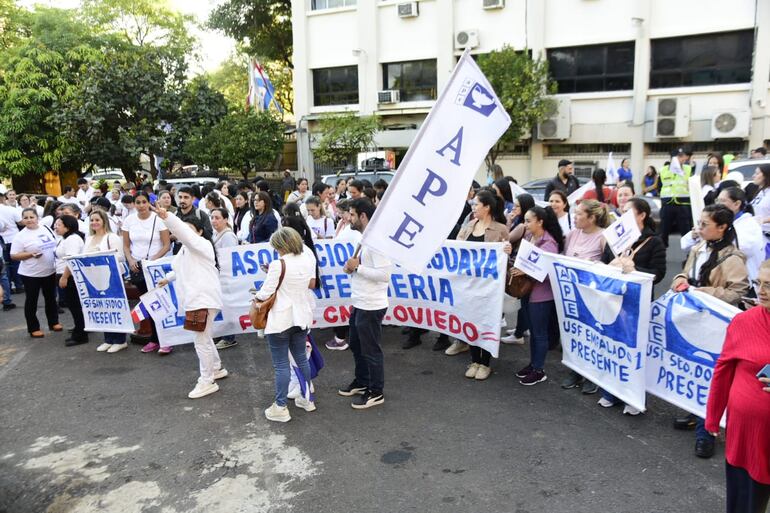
(635,77)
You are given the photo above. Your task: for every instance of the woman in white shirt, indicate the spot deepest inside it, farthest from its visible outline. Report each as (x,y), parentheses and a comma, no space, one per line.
(224,237)
(750,240)
(761,202)
(196,264)
(70,243)
(301,194)
(34,248)
(290,319)
(560,206)
(145,237)
(102,239)
(317,220)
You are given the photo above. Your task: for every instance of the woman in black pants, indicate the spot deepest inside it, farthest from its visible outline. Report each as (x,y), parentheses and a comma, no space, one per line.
(34,248)
(70,244)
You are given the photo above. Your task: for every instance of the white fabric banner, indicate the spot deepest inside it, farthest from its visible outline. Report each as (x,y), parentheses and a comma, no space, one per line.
(429,190)
(687,331)
(460,293)
(612,171)
(99,280)
(697,203)
(603,319)
(622,234)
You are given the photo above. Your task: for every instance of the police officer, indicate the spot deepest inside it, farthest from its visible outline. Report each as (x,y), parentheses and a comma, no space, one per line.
(675,196)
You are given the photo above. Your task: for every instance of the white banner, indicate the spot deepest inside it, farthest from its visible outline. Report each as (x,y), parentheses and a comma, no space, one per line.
(460,293)
(429,190)
(697,203)
(603,319)
(529,259)
(687,330)
(99,280)
(622,234)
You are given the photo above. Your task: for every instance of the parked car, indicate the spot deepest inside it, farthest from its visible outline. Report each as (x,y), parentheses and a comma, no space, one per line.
(746,167)
(107,174)
(372,176)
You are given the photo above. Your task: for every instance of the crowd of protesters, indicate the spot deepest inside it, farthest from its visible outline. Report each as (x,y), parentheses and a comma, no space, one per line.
(727,257)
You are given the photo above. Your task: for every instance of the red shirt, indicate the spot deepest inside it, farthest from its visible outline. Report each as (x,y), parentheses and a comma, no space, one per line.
(592,195)
(735,387)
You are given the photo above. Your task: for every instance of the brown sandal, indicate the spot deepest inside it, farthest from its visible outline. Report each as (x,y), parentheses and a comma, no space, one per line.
(36,334)
(57,327)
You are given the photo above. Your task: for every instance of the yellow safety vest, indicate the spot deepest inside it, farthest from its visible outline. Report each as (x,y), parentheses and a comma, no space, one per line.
(675,185)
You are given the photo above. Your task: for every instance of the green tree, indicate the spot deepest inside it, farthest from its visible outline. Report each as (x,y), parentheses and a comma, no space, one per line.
(200,109)
(231,79)
(522,84)
(244,141)
(343,136)
(37,72)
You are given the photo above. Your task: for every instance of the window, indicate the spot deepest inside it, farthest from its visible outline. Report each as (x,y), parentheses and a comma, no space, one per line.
(708,59)
(566,150)
(416,80)
(335,86)
(317,5)
(582,69)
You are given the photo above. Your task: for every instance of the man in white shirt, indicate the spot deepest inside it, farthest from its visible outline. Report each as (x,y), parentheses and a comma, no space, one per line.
(68,196)
(84,192)
(370,275)
(10,217)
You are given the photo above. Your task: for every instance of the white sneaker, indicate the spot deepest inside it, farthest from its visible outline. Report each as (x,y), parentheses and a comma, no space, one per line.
(103,347)
(457,347)
(605,403)
(221,373)
(511,332)
(114,348)
(512,339)
(202,390)
(277,413)
(630,410)
(305,404)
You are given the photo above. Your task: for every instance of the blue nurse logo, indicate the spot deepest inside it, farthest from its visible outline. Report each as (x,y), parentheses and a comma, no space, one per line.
(155,305)
(693,331)
(480,100)
(533,257)
(101,277)
(620,230)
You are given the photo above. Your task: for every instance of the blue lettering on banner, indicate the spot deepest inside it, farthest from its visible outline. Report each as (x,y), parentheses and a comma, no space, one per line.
(456,148)
(426,288)
(480,263)
(334,255)
(426,187)
(402,229)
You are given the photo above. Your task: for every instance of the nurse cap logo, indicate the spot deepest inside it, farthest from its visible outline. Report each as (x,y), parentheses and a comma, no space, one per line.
(480,100)
(533,257)
(620,230)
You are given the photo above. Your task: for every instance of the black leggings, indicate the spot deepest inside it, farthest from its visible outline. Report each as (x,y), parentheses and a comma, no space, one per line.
(33,287)
(72,299)
(480,356)
(744,495)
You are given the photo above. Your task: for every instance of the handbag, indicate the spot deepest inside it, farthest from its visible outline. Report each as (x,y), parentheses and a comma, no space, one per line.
(518,286)
(259,309)
(195,320)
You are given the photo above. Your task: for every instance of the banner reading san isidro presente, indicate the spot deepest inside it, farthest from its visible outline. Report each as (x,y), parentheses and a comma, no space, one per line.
(99,281)
(460,293)
(687,331)
(603,319)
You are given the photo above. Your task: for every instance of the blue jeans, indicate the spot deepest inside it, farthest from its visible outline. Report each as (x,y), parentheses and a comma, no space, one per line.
(700,430)
(5,282)
(522,318)
(365,335)
(540,315)
(12,268)
(115,338)
(280,344)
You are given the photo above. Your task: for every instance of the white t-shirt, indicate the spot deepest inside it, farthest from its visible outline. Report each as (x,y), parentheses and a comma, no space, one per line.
(322,228)
(761,206)
(9,217)
(41,240)
(65,199)
(140,232)
(71,246)
(349,234)
(83,197)
(109,242)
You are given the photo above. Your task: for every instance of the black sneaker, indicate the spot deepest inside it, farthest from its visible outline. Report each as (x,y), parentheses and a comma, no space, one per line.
(525,371)
(589,387)
(9,306)
(411,342)
(686,423)
(442,342)
(533,378)
(703,448)
(367,400)
(354,388)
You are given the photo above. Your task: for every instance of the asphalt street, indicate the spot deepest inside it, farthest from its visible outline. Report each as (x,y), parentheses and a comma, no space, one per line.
(82,431)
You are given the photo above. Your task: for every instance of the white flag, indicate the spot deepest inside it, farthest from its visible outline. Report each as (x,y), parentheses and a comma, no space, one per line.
(576,196)
(622,234)
(529,259)
(158,304)
(429,190)
(612,171)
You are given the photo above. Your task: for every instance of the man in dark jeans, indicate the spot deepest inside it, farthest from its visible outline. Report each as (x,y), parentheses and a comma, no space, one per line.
(370,274)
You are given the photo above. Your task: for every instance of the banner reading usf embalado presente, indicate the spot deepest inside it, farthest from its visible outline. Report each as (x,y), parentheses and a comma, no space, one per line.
(603,320)
(460,293)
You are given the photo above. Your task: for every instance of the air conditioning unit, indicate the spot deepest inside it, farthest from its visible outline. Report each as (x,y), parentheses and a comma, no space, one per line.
(494,4)
(408,10)
(557,123)
(730,124)
(466,39)
(388,96)
(672,117)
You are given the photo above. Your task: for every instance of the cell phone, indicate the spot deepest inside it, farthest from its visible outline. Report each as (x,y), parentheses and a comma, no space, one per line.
(765,372)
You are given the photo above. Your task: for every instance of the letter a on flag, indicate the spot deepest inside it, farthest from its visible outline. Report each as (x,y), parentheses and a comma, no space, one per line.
(427,195)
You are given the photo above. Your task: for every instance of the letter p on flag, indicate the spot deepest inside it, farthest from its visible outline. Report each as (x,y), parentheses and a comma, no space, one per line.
(427,195)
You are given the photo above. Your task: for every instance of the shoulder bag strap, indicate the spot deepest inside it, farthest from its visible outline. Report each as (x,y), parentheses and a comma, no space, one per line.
(152,234)
(636,250)
(283,272)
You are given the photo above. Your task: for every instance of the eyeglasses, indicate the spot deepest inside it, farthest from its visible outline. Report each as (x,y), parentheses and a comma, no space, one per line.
(761,285)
